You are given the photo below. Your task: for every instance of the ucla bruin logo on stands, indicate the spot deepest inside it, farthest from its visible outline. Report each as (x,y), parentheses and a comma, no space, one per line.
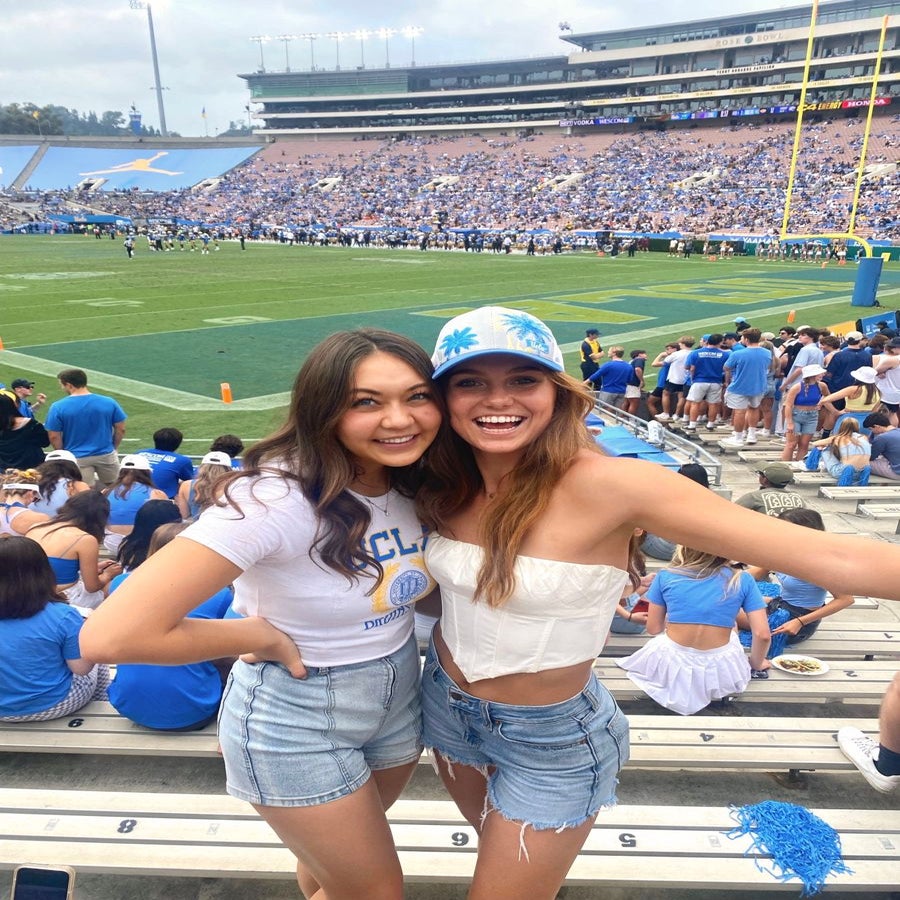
(409,586)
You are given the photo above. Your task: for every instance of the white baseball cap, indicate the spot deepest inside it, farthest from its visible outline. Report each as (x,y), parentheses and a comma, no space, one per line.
(61,454)
(216,458)
(495,329)
(135,461)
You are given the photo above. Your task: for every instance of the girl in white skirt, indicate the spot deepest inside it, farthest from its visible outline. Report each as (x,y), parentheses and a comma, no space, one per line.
(695,656)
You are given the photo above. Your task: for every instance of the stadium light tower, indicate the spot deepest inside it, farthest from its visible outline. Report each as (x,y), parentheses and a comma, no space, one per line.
(309,36)
(261,39)
(286,39)
(362,35)
(337,37)
(412,32)
(387,34)
(138,4)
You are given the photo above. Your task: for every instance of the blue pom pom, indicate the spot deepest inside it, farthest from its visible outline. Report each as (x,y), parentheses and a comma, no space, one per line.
(797,842)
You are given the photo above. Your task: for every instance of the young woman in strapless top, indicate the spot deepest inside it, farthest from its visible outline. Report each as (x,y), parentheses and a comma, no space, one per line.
(531,526)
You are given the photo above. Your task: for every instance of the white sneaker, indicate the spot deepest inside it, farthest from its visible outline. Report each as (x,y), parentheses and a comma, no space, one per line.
(862,751)
(764,432)
(734,441)
(662,417)
(751,435)
(691,426)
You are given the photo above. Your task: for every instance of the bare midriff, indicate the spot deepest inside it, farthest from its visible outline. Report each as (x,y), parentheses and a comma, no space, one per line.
(700,637)
(518,688)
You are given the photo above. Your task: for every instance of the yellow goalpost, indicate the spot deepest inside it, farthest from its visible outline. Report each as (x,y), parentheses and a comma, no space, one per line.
(850,233)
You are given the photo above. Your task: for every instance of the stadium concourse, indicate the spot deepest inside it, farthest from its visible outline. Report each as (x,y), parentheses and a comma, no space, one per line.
(696,181)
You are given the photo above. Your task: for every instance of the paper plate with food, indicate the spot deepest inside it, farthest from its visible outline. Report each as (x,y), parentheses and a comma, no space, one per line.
(798,664)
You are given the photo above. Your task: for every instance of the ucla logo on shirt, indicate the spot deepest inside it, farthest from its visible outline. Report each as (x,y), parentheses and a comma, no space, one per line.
(408,587)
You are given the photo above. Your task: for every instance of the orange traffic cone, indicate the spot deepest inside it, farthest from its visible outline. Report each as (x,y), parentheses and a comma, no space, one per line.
(792,315)
(225,388)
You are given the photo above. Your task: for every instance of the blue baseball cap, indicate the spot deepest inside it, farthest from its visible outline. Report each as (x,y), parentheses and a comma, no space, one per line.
(495,329)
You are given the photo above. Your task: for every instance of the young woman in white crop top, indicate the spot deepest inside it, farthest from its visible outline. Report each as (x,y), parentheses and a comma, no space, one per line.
(531,526)
(320,725)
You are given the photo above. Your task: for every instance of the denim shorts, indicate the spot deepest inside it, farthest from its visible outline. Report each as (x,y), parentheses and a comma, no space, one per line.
(551,766)
(805,420)
(293,742)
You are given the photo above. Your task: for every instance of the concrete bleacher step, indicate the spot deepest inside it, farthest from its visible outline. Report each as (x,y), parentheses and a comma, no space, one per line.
(861,495)
(881,511)
(656,847)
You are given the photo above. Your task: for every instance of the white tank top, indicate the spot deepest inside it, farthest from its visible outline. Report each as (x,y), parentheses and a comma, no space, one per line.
(558,615)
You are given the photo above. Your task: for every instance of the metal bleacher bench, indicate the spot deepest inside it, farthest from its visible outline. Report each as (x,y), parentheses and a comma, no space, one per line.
(861,494)
(208,836)
(658,741)
(833,640)
(881,511)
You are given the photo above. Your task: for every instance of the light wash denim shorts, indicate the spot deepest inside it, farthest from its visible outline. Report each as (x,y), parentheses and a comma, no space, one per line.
(292,742)
(553,766)
(805,420)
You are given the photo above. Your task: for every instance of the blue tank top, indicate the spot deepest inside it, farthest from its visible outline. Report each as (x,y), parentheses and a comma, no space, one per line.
(808,395)
(122,510)
(65,570)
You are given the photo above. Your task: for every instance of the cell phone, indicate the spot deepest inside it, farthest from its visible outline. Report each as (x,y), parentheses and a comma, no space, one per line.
(43,883)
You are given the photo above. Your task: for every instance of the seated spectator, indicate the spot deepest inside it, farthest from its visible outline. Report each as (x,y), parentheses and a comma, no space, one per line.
(885,459)
(21,437)
(230,444)
(194,496)
(171,698)
(695,656)
(660,548)
(169,468)
(18,491)
(60,480)
(773,496)
(71,540)
(42,673)
(135,547)
(631,613)
(805,603)
(127,494)
(846,453)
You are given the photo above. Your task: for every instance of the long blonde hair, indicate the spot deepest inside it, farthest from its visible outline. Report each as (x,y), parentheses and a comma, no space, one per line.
(453,481)
(847,433)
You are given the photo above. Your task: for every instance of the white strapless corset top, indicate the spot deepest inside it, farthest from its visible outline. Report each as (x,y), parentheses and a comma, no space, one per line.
(558,615)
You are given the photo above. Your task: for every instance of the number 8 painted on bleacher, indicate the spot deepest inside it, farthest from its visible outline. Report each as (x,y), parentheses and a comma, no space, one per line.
(126,826)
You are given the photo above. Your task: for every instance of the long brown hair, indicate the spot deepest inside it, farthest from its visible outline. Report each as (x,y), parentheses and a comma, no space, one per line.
(453,482)
(306,448)
(28,582)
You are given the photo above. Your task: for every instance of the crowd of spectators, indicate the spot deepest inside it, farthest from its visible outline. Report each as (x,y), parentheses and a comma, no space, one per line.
(694,181)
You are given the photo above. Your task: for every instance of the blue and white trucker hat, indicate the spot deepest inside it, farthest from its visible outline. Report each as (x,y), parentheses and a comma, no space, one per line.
(495,329)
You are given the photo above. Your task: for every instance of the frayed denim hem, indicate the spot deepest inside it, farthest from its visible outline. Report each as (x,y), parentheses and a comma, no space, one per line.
(452,761)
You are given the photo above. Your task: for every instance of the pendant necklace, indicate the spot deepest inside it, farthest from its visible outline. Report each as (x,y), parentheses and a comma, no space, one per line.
(371,501)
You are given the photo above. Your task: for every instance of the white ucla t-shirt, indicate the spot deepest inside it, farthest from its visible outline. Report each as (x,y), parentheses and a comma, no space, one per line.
(332,621)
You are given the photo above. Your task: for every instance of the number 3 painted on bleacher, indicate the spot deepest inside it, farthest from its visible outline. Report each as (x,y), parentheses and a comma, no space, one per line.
(459,839)
(126,826)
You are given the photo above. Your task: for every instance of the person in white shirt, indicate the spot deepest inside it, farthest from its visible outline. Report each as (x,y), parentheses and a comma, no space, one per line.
(320,726)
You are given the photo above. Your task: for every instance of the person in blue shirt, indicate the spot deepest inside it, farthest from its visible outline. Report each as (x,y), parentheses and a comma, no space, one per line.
(42,672)
(806,603)
(706,367)
(613,377)
(695,656)
(746,374)
(655,400)
(635,387)
(169,467)
(90,426)
(172,698)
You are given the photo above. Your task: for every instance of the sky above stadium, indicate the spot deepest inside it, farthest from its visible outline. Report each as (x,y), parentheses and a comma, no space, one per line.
(95,54)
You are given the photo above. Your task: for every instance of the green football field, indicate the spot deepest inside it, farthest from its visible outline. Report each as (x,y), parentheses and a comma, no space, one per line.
(161,332)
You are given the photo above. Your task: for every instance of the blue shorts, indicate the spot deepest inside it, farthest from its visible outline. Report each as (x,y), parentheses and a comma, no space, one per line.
(552,766)
(292,742)
(805,420)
